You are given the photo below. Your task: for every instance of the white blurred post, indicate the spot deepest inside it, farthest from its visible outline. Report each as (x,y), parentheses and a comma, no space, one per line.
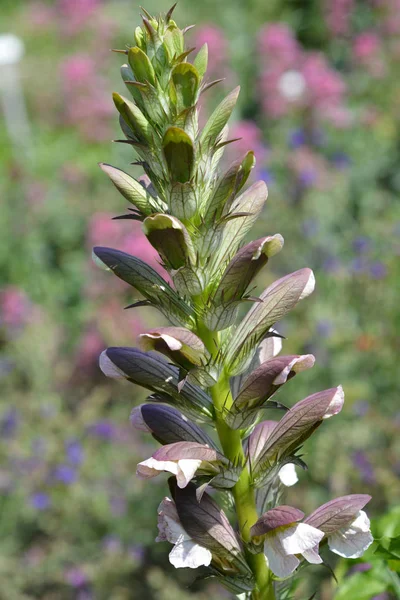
(12,97)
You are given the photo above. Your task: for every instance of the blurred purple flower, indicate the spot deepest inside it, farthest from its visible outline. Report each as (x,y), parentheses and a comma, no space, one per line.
(297,138)
(324,328)
(364,467)
(74,451)
(112,544)
(331,264)
(265,175)
(359,265)
(76,577)
(137,553)
(9,423)
(103,429)
(307,177)
(118,505)
(378,270)
(361,407)
(359,568)
(361,244)
(65,474)
(310,227)
(40,500)
(341,160)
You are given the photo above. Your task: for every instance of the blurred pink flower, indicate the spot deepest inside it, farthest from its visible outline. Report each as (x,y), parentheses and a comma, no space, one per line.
(87,104)
(251,139)
(41,15)
(75,15)
(367,51)
(366,45)
(277,43)
(15,307)
(294,79)
(90,347)
(217,47)
(127,236)
(337,15)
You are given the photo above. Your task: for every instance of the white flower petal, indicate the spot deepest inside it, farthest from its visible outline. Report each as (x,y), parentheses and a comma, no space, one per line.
(361,523)
(269,347)
(186,470)
(312,556)
(352,541)
(352,546)
(300,537)
(169,526)
(152,467)
(281,564)
(186,553)
(336,404)
(309,287)
(288,475)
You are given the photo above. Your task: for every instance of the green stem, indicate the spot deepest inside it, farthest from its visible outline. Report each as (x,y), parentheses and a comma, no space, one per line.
(243,491)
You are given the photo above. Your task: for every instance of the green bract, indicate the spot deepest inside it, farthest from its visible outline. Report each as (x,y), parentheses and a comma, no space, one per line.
(207,364)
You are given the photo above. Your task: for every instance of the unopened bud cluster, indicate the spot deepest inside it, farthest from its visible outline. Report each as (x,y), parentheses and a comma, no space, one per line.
(208,370)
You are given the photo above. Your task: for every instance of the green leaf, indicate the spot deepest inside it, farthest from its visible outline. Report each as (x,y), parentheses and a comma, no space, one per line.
(185,79)
(130,188)
(201,60)
(148,282)
(249,204)
(228,186)
(179,154)
(134,117)
(360,586)
(141,66)
(183,200)
(218,120)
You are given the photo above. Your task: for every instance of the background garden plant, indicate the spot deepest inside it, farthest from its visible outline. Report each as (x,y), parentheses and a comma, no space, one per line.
(67,447)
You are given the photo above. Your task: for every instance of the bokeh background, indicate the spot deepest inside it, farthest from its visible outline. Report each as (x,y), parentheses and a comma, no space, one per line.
(320,105)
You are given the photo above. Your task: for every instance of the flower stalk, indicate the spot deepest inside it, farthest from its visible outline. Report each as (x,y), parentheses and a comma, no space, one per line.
(208,368)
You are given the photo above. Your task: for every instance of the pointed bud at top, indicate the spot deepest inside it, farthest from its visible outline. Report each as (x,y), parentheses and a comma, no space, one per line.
(274,518)
(337,513)
(168,425)
(178,343)
(170,238)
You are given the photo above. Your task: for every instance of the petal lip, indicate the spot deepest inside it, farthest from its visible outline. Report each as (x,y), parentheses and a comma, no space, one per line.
(276,517)
(288,475)
(280,563)
(352,546)
(188,554)
(299,538)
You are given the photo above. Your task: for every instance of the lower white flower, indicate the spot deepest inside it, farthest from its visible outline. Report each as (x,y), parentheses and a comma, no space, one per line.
(288,475)
(282,545)
(185,553)
(184,469)
(353,540)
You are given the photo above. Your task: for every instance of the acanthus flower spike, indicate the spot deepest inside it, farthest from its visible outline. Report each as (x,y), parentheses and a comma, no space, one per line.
(206,365)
